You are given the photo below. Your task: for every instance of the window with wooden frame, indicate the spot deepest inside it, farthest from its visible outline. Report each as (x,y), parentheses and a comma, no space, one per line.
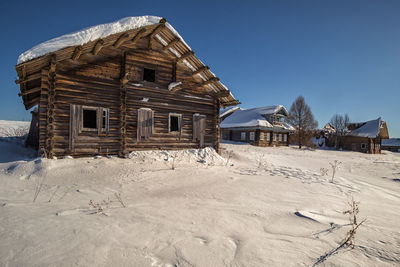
(285,138)
(251,136)
(94,119)
(268,137)
(149,75)
(145,123)
(243,136)
(280,138)
(363,146)
(174,122)
(261,136)
(274,137)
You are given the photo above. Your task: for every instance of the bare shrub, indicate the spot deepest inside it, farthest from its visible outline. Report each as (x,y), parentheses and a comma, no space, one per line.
(100,207)
(55,191)
(260,161)
(38,188)
(229,156)
(335,166)
(174,156)
(349,240)
(119,198)
(324,171)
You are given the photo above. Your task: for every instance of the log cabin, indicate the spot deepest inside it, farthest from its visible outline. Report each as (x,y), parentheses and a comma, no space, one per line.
(263,126)
(365,137)
(133,84)
(392,144)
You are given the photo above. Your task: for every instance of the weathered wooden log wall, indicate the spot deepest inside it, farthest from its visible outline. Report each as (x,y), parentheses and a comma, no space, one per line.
(235,135)
(116,83)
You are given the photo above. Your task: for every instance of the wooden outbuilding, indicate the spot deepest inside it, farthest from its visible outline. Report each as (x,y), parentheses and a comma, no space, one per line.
(263,126)
(129,85)
(392,144)
(365,137)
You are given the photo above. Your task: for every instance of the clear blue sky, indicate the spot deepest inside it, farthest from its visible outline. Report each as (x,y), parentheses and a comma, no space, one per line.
(342,56)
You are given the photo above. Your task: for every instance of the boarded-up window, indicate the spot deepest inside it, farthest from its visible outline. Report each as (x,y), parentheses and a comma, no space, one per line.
(243,136)
(145,123)
(251,136)
(199,128)
(175,122)
(261,136)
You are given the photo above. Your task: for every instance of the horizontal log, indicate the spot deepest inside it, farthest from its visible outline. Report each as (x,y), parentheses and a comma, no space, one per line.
(29,78)
(30,91)
(172,43)
(200,70)
(210,81)
(186,55)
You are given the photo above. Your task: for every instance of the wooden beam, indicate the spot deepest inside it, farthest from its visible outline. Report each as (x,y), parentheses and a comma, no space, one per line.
(230,103)
(224,93)
(77,53)
(139,35)
(200,70)
(157,30)
(32,103)
(122,39)
(30,91)
(98,46)
(172,43)
(53,61)
(186,55)
(32,77)
(212,80)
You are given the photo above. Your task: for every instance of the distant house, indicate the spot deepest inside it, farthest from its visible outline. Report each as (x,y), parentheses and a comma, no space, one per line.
(133,84)
(392,144)
(263,126)
(227,112)
(365,136)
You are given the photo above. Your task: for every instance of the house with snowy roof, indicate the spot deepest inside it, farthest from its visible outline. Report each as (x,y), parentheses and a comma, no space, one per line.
(263,126)
(392,144)
(365,136)
(127,85)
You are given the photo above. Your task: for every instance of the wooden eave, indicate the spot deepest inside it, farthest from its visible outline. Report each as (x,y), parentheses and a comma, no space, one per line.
(29,72)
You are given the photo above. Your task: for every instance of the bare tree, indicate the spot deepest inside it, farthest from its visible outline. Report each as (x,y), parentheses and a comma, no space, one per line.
(340,123)
(301,117)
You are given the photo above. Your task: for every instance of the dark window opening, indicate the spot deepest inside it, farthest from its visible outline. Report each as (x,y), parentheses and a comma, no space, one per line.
(174,124)
(149,75)
(90,118)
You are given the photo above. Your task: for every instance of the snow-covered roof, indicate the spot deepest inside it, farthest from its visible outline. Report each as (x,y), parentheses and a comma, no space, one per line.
(391,142)
(224,112)
(370,129)
(65,46)
(90,34)
(254,117)
(329,128)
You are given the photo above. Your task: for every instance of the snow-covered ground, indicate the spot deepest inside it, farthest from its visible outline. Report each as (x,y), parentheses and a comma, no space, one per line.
(262,207)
